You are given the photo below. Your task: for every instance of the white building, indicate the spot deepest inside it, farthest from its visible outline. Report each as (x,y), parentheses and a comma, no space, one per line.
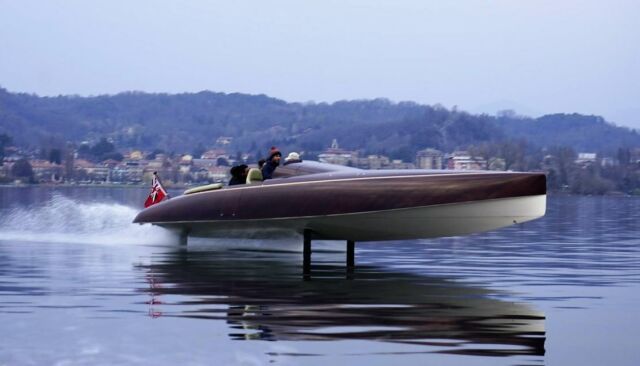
(429,159)
(586,158)
(336,155)
(462,160)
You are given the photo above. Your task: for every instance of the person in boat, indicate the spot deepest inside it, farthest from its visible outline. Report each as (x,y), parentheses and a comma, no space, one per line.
(238,175)
(293,157)
(272,163)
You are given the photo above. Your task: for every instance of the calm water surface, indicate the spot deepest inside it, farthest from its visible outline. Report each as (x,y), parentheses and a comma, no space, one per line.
(81,285)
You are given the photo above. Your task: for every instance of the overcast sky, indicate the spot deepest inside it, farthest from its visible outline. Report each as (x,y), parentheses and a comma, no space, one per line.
(533,56)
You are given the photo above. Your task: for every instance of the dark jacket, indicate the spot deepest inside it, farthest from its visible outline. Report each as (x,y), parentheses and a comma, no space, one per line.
(238,175)
(237,180)
(268,168)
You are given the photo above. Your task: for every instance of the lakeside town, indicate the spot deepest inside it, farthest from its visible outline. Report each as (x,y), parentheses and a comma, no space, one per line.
(102,164)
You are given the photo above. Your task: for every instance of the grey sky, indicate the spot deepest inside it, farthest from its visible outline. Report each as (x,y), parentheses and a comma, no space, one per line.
(537,56)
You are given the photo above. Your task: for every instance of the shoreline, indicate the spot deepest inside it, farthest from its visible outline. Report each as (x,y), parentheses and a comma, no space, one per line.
(63,185)
(182,187)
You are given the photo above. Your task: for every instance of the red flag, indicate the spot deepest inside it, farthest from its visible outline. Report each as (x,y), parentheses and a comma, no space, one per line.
(157,192)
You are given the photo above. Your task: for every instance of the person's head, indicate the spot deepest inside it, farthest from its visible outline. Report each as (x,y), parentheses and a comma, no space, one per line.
(261,163)
(275,155)
(293,156)
(239,170)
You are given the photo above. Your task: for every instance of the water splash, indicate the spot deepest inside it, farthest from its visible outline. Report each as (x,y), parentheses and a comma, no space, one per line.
(65,220)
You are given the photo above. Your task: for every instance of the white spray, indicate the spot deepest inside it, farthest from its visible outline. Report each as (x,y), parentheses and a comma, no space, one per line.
(63,220)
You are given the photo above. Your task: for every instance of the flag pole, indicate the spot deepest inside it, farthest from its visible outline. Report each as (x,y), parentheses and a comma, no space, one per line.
(155,174)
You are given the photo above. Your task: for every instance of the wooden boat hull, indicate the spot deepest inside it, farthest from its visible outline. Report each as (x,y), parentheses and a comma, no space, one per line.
(359,206)
(409,223)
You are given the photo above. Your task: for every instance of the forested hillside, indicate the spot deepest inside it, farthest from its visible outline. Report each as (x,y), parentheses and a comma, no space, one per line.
(184,122)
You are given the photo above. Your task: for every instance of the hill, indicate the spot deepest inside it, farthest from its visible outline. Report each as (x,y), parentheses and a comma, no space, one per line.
(184,122)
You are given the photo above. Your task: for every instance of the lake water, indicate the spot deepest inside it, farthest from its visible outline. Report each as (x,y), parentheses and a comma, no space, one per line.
(81,285)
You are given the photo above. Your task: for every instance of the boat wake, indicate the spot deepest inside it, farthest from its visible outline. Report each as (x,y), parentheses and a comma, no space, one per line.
(64,220)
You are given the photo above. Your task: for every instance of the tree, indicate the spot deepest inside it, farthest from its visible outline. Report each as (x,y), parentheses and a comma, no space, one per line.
(5,141)
(485,150)
(588,181)
(114,155)
(198,151)
(84,151)
(154,153)
(103,147)
(222,162)
(565,157)
(513,153)
(22,169)
(624,156)
(55,156)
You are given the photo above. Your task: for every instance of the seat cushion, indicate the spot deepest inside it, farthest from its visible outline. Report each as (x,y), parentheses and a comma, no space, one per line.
(254,176)
(208,187)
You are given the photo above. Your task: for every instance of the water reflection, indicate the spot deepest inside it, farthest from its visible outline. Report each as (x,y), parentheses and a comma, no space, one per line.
(262,296)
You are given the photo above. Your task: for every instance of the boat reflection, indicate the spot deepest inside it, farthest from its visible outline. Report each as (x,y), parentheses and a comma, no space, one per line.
(261,296)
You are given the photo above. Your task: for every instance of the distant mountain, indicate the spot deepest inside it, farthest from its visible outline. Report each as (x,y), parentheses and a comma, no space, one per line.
(582,133)
(184,122)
